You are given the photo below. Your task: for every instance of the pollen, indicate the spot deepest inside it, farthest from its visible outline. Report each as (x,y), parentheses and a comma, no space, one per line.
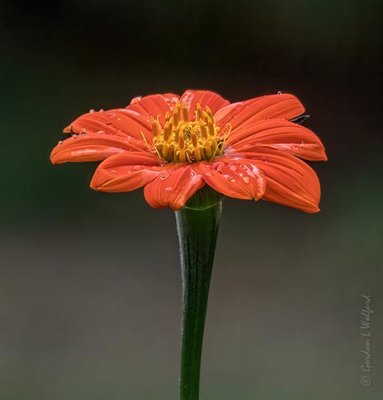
(185,139)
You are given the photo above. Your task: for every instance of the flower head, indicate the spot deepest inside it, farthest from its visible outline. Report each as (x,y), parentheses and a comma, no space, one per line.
(174,145)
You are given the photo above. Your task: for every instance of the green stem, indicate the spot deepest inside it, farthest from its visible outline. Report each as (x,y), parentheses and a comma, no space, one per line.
(197,226)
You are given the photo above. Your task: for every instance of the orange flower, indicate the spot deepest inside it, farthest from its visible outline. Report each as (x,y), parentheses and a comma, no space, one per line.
(173,146)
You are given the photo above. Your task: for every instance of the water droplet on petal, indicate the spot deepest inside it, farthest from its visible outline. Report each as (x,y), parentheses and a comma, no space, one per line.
(113,171)
(208,174)
(91,111)
(164,175)
(279,92)
(60,143)
(232,180)
(136,168)
(168,189)
(246,179)
(135,100)
(101,132)
(101,110)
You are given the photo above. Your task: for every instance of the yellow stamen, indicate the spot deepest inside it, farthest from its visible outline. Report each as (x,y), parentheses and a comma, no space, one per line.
(209,112)
(207,150)
(203,129)
(170,154)
(197,153)
(176,115)
(205,116)
(188,139)
(198,112)
(165,150)
(194,138)
(210,125)
(167,130)
(181,142)
(181,155)
(185,112)
(156,126)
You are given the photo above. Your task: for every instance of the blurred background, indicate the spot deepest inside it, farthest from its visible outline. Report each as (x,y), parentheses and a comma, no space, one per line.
(90,282)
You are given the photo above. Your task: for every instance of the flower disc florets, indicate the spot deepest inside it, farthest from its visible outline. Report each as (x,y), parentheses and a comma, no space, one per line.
(181,139)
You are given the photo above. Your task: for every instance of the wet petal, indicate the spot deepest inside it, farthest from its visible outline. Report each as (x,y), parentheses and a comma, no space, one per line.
(120,122)
(94,147)
(156,105)
(282,106)
(236,178)
(278,134)
(173,187)
(289,180)
(205,98)
(126,172)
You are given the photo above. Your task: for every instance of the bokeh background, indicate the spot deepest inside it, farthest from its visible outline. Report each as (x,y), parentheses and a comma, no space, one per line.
(90,282)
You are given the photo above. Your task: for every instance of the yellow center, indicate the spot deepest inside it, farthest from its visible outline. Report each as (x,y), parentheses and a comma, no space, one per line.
(182,140)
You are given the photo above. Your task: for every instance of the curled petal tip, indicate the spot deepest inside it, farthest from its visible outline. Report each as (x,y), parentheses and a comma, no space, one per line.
(54,157)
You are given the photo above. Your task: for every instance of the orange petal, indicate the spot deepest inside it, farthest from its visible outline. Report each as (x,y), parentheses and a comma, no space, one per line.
(155,105)
(205,98)
(125,172)
(289,180)
(173,187)
(278,134)
(283,106)
(121,122)
(237,178)
(94,147)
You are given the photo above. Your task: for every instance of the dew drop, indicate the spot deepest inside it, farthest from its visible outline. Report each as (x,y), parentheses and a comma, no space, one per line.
(279,92)
(135,100)
(101,132)
(91,110)
(136,168)
(60,142)
(168,189)
(113,171)
(208,174)
(164,176)
(101,110)
(246,179)
(232,180)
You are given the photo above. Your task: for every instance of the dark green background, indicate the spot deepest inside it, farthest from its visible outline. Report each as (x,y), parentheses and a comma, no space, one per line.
(90,283)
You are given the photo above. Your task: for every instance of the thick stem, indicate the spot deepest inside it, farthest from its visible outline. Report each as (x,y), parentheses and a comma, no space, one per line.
(197,225)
